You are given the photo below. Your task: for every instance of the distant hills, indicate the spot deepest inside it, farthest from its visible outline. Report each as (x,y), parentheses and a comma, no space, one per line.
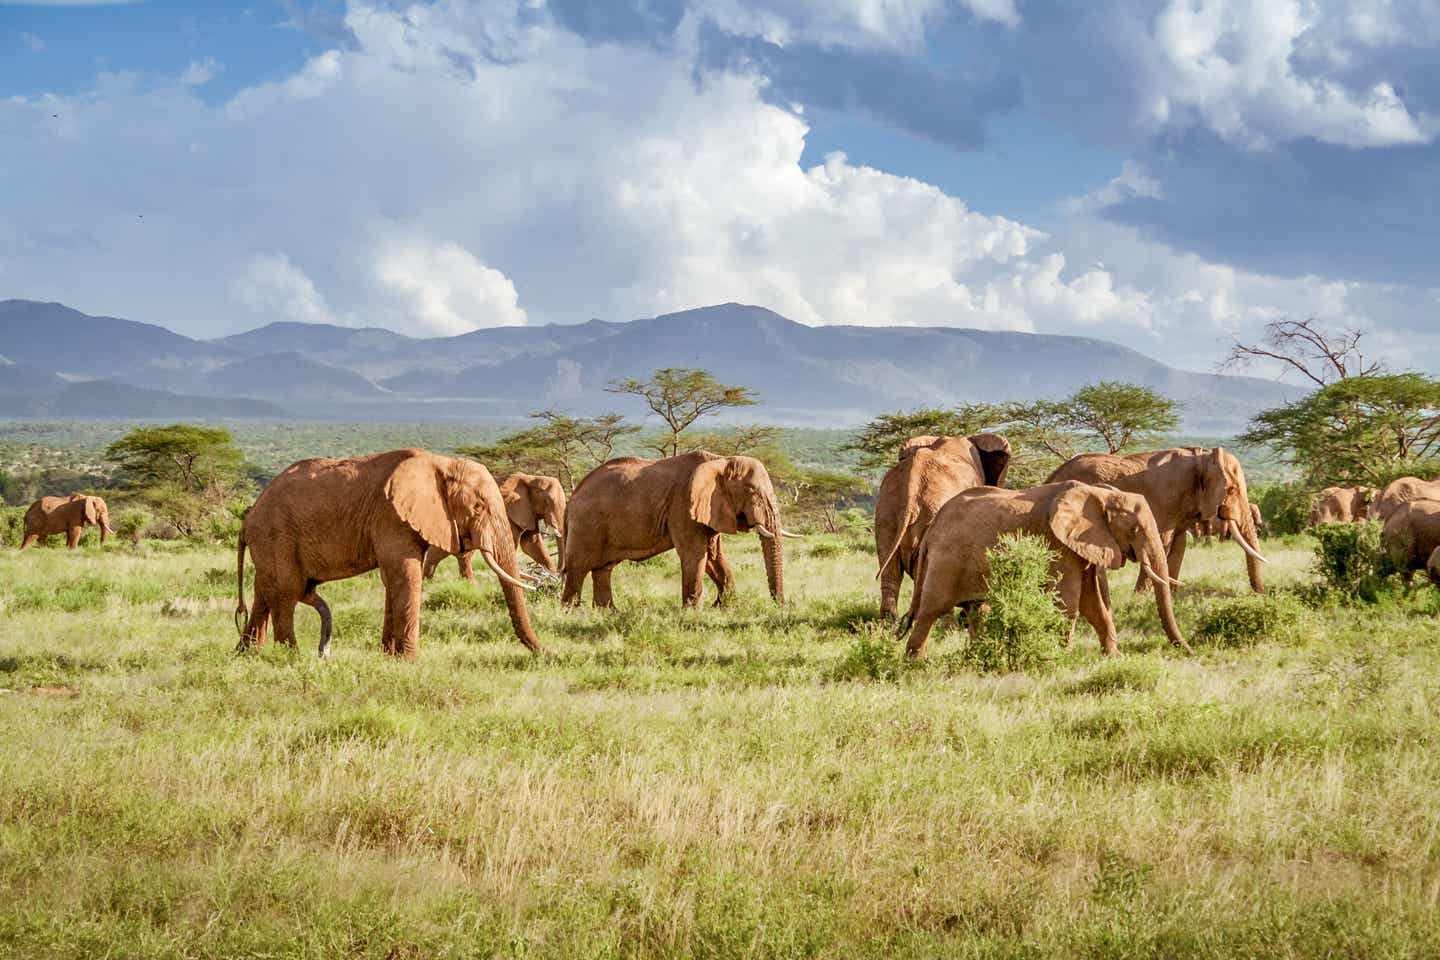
(59,362)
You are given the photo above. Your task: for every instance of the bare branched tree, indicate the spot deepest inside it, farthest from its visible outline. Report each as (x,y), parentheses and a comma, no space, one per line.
(1322,356)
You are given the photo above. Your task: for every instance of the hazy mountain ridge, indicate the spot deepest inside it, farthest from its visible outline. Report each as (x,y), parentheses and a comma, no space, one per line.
(812,376)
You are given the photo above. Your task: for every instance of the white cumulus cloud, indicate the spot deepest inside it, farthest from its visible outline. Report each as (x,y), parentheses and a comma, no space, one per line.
(270,284)
(441,289)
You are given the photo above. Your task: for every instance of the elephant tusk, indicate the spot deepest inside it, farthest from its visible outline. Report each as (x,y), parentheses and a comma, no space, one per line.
(1159,581)
(499,572)
(792,536)
(764,532)
(1174,582)
(1235,535)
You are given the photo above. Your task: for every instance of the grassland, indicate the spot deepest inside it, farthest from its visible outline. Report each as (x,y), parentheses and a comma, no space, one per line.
(748,781)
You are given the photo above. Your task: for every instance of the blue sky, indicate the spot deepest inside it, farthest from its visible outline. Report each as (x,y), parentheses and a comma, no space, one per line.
(1166,173)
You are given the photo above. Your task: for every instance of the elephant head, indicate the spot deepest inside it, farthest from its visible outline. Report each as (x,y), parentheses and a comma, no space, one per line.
(734,495)
(1222,492)
(1106,527)
(98,513)
(989,452)
(455,504)
(536,499)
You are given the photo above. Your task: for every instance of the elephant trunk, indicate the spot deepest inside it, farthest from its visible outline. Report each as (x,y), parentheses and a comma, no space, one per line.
(1164,601)
(1246,525)
(774,558)
(557,521)
(506,559)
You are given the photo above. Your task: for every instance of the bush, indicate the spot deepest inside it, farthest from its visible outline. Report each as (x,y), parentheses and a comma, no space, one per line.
(1350,560)
(131,524)
(1285,506)
(1258,618)
(871,656)
(12,526)
(1023,626)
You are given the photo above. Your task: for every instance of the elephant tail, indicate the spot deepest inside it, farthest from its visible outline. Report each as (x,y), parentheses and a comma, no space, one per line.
(241,614)
(910,518)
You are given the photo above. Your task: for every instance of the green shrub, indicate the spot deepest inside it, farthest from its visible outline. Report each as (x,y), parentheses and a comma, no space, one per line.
(826,548)
(12,526)
(1022,628)
(131,524)
(1285,506)
(1350,560)
(872,655)
(1248,620)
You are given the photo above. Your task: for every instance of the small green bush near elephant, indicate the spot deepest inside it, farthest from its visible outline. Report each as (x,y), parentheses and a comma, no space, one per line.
(1021,627)
(1350,560)
(744,781)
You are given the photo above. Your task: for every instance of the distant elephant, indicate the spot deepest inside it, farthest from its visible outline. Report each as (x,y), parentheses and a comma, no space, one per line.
(633,509)
(1400,492)
(1411,536)
(528,500)
(1183,485)
(1207,531)
(1342,505)
(67,515)
(1258,518)
(931,471)
(1091,529)
(323,520)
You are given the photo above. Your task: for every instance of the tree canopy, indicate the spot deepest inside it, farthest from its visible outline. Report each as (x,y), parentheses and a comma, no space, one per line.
(1356,430)
(681,395)
(195,458)
(561,446)
(1119,415)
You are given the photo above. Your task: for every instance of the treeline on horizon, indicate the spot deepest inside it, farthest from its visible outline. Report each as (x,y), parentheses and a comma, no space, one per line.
(1361,425)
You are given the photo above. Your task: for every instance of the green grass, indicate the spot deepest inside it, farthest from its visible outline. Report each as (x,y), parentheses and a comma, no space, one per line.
(744,781)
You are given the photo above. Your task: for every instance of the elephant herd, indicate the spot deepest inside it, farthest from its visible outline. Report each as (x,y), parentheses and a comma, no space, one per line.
(1409,508)
(938,510)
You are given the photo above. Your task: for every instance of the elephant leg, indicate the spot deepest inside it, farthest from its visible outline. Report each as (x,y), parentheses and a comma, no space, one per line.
(258,621)
(466,563)
(574,583)
(691,587)
(321,607)
(890,579)
(432,562)
(402,596)
(284,614)
(1096,612)
(534,548)
(600,586)
(29,539)
(1067,596)
(387,621)
(718,570)
(72,537)
(1174,558)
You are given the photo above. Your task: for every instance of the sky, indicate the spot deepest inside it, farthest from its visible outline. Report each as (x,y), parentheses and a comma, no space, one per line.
(1169,174)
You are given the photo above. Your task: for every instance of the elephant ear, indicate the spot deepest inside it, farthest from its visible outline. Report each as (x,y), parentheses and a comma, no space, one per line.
(994,457)
(418,490)
(92,511)
(520,505)
(710,499)
(1078,520)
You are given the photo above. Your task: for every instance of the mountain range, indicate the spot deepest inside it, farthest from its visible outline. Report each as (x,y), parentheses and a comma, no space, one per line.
(58,362)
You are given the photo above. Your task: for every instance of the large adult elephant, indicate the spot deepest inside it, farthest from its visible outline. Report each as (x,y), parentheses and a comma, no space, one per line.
(529,501)
(1091,530)
(323,520)
(1183,485)
(1342,505)
(931,471)
(67,515)
(1400,492)
(1412,535)
(631,508)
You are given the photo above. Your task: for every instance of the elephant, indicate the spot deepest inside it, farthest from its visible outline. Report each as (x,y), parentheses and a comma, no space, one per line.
(631,508)
(930,471)
(1342,505)
(1411,536)
(67,515)
(1216,529)
(1432,567)
(1400,492)
(1091,529)
(528,501)
(1258,518)
(323,520)
(1183,485)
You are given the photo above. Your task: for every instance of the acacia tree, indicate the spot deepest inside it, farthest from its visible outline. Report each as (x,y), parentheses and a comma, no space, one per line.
(879,441)
(1321,356)
(185,472)
(1119,415)
(680,396)
(1357,429)
(561,446)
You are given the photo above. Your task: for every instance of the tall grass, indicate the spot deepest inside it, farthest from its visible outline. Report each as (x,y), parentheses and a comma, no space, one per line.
(702,783)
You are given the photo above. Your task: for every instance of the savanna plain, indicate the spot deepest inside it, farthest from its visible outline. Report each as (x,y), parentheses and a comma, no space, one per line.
(745,781)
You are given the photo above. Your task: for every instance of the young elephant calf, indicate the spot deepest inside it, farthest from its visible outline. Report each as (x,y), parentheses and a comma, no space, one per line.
(1091,529)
